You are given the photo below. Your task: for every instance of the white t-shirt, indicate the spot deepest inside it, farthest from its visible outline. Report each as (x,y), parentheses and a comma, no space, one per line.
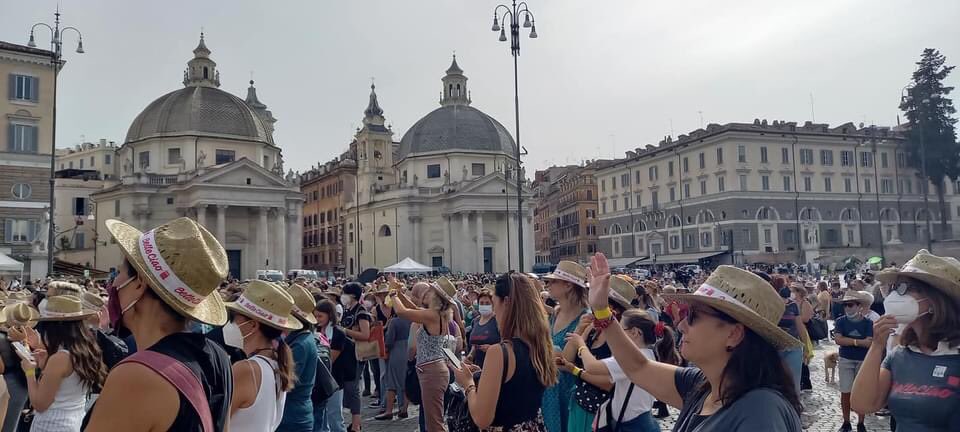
(640,401)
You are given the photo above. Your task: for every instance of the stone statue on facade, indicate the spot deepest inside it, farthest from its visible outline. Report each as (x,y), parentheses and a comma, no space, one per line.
(201,159)
(127,165)
(415,178)
(446,177)
(464,173)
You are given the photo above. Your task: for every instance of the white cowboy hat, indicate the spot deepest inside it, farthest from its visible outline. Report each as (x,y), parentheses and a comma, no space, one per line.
(571,272)
(267,303)
(64,308)
(942,273)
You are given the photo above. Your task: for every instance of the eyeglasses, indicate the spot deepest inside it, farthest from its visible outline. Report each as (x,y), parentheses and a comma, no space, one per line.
(900,287)
(850,305)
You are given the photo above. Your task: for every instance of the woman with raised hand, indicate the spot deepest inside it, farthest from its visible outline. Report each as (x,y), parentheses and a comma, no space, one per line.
(918,380)
(260,384)
(518,369)
(731,333)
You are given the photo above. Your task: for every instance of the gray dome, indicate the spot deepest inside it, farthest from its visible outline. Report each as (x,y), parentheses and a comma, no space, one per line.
(456,127)
(198,110)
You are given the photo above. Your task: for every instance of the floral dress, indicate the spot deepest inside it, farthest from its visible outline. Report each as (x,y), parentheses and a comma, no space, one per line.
(556,399)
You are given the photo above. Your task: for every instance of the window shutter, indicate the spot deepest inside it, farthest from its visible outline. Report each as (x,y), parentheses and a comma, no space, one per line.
(10,137)
(34,89)
(34,230)
(11,87)
(8,230)
(32,141)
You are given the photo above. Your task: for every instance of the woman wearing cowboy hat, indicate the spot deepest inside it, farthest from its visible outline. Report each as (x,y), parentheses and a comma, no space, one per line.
(68,354)
(260,384)
(169,277)
(919,381)
(731,333)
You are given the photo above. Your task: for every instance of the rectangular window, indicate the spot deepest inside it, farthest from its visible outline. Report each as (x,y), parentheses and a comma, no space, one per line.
(603,207)
(703,161)
(24,88)
(806,157)
(765,182)
(144,159)
(786,183)
(93,161)
(826,157)
(720,186)
(807,184)
(766,235)
(846,158)
(613,183)
(703,187)
(637,177)
(626,202)
(433,171)
(866,159)
(173,156)
(763,155)
(655,198)
(746,234)
(478,169)
(847,186)
(81,163)
(603,185)
(653,173)
(614,204)
(225,156)
(107,159)
(743,182)
(785,155)
(850,237)
(827,186)
(625,180)
(867,186)
(909,184)
(686,190)
(669,168)
(20,230)
(673,194)
(79,206)
(883,160)
(23,138)
(686,165)
(719,155)
(886,186)
(901,160)
(741,153)
(79,240)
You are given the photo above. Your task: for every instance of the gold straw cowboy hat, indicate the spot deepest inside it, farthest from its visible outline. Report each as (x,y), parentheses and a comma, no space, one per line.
(745,297)
(181,262)
(447,287)
(267,303)
(621,292)
(571,272)
(64,308)
(92,302)
(58,288)
(864,298)
(303,303)
(21,315)
(942,273)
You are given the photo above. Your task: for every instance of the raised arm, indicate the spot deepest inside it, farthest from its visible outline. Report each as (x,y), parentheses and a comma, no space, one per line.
(654,377)
(871,388)
(417,315)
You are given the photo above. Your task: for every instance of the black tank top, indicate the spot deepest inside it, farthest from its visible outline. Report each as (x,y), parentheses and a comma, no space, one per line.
(211,364)
(521,396)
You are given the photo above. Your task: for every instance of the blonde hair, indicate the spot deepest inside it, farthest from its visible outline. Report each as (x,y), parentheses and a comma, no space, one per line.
(526,319)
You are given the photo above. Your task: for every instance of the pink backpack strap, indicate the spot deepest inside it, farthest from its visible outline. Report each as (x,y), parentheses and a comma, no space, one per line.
(181,377)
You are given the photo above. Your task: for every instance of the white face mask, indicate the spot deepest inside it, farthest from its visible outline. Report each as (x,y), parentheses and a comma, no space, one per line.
(485,310)
(232,335)
(346,300)
(368,304)
(904,308)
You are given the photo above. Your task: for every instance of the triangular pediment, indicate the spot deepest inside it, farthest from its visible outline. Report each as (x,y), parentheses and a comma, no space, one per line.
(242,172)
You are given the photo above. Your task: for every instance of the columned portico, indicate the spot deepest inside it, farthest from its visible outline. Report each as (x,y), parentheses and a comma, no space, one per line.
(464,260)
(447,243)
(415,228)
(281,243)
(202,215)
(262,245)
(222,225)
(479,242)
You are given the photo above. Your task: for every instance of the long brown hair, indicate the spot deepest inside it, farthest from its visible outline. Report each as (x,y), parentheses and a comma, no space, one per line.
(85,354)
(942,324)
(285,374)
(526,319)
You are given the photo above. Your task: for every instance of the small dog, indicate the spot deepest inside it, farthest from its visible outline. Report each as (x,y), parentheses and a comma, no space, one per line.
(830,366)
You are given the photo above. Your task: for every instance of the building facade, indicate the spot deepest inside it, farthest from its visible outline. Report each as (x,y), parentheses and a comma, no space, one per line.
(565,218)
(26,149)
(440,196)
(204,153)
(327,189)
(763,192)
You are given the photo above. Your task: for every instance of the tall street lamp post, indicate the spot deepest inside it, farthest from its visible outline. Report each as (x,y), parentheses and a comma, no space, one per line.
(56,59)
(872,138)
(514,13)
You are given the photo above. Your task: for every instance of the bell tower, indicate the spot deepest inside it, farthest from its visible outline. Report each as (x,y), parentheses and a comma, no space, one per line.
(201,70)
(455,86)
(374,147)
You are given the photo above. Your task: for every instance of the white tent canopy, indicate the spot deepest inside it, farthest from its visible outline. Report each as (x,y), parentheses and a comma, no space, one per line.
(407,265)
(9,264)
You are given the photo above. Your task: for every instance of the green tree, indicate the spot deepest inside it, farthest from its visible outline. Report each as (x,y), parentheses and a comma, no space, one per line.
(929,113)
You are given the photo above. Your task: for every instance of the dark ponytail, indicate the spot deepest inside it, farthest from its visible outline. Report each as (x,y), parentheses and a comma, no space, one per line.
(658,334)
(285,375)
(666,346)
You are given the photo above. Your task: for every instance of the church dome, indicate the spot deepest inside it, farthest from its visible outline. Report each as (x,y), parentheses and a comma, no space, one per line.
(456,126)
(202,109)
(198,111)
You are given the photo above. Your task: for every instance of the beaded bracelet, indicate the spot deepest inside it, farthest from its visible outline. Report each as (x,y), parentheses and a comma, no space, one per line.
(602,324)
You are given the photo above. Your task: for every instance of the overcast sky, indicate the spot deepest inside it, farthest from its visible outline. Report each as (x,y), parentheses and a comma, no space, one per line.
(597,81)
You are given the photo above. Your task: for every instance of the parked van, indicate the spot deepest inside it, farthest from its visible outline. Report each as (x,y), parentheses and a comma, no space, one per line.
(270,275)
(310,275)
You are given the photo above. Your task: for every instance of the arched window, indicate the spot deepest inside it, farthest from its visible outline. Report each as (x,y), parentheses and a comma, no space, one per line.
(616,229)
(206,73)
(384,231)
(675,221)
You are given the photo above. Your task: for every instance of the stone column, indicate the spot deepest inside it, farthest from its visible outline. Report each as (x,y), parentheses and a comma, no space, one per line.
(514,241)
(479,242)
(295,234)
(415,241)
(222,225)
(281,230)
(202,215)
(262,248)
(528,252)
(464,250)
(447,244)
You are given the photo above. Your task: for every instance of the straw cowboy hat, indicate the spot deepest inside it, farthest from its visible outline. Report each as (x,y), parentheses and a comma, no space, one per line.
(19,297)
(448,288)
(64,308)
(303,303)
(92,302)
(57,288)
(21,315)
(942,273)
(183,264)
(268,304)
(864,298)
(745,297)
(571,272)
(621,292)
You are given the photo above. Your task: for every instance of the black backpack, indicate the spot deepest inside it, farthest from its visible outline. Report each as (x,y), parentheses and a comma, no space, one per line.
(324,385)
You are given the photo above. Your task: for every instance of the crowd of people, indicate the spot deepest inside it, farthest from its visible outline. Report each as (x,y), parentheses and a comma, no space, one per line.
(170,343)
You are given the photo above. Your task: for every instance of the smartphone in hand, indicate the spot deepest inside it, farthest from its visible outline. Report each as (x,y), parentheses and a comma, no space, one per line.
(452,358)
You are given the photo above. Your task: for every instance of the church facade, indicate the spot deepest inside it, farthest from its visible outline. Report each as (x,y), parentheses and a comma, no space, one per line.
(444,195)
(204,153)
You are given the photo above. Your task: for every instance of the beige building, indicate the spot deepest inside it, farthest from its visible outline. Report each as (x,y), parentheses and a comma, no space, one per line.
(204,153)
(327,189)
(25,157)
(99,157)
(764,192)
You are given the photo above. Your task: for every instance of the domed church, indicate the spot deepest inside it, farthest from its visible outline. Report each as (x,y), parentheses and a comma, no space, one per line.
(203,153)
(445,195)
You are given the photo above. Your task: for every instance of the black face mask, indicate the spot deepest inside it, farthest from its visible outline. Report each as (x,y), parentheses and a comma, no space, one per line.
(551,302)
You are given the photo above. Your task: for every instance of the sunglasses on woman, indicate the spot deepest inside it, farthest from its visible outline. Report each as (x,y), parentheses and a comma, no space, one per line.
(900,287)
(698,312)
